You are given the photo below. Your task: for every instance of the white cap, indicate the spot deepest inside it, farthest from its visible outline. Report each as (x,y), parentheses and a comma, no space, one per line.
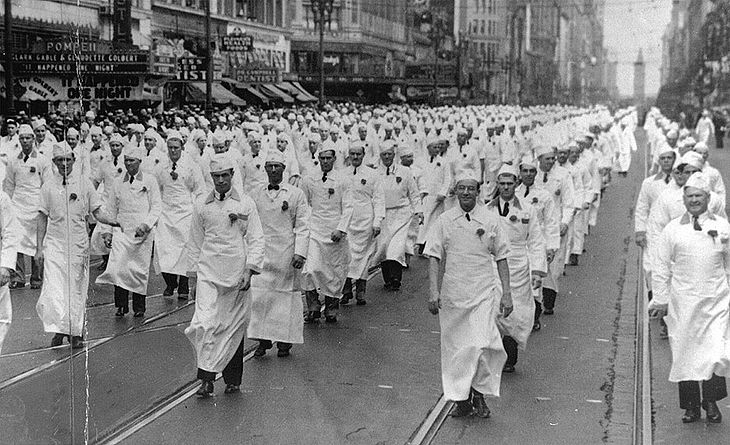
(507,169)
(275,157)
(692,158)
(174,134)
(25,129)
(220,162)
(387,145)
(699,181)
(466,176)
(135,152)
(61,150)
(541,150)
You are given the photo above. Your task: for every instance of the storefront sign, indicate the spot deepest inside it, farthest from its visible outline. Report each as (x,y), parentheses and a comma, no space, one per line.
(124,62)
(258,75)
(48,88)
(194,68)
(236,43)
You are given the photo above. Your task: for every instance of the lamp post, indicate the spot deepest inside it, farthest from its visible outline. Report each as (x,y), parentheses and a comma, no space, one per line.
(208,63)
(9,98)
(322,11)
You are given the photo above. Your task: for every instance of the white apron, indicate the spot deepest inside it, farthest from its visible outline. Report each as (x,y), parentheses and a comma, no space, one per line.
(6,314)
(28,179)
(368,205)
(276,303)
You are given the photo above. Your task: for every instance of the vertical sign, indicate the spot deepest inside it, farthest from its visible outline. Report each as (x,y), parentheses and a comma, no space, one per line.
(123,22)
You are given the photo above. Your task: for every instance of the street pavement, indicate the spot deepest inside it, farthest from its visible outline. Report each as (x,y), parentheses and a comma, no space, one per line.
(371,378)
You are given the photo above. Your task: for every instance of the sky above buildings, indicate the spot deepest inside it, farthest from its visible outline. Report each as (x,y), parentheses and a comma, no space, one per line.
(630,25)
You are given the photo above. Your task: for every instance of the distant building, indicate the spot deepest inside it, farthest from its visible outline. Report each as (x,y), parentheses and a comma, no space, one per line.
(639,77)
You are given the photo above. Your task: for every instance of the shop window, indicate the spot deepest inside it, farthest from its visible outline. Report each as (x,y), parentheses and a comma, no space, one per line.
(355,11)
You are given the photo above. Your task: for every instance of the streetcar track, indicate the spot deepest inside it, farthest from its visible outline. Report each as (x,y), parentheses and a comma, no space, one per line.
(429,427)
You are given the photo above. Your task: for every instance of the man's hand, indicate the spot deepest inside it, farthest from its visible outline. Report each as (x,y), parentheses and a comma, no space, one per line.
(586,205)
(337,235)
(563,229)
(107,238)
(297,262)
(39,256)
(141,230)
(192,286)
(505,306)
(434,304)
(376,232)
(640,239)
(550,255)
(658,310)
(536,281)
(419,216)
(245,282)
(5,275)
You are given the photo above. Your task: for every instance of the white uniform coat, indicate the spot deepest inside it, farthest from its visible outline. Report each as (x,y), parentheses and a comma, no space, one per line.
(10,233)
(691,275)
(106,173)
(327,261)
(178,193)
(62,302)
(220,250)
(472,354)
(368,211)
(23,181)
(401,202)
(526,255)
(276,304)
(131,205)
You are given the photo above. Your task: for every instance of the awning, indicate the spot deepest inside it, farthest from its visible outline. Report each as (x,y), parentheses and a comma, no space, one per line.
(274,93)
(299,86)
(219,94)
(295,92)
(245,91)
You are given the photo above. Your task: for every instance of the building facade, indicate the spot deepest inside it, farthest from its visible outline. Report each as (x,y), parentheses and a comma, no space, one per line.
(639,78)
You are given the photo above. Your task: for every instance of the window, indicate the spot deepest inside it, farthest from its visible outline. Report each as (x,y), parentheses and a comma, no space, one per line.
(483,24)
(354,7)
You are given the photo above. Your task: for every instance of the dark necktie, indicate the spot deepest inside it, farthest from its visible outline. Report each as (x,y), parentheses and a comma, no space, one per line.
(667,179)
(116,160)
(324,177)
(131,179)
(174,166)
(432,158)
(63,180)
(387,171)
(354,172)
(466,215)
(505,209)
(25,157)
(696,223)
(254,156)
(544,178)
(273,187)
(527,190)
(312,155)
(222,196)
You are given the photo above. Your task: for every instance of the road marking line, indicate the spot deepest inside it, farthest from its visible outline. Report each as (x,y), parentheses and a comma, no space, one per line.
(594,401)
(543,399)
(603,340)
(385,386)
(563,338)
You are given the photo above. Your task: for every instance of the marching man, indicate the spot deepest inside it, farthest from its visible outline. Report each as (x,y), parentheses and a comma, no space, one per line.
(276,304)
(470,240)
(10,233)
(226,248)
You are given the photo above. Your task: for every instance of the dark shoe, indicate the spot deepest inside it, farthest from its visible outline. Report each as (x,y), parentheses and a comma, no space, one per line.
(480,406)
(713,412)
(57,340)
(77,342)
(346,298)
(395,285)
(102,267)
(691,415)
(548,312)
(169,291)
(462,408)
(312,317)
(508,369)
(232,389)
(283,352)
(35,285)
(330,319)
(121,311)
(261,348)
(573,260)
(138,314)
(16,285)
(536,326)
(663,331)
(205,390)
(183,296)
(361,302)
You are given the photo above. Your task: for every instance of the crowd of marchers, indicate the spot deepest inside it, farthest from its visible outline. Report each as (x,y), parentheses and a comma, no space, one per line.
(272,220)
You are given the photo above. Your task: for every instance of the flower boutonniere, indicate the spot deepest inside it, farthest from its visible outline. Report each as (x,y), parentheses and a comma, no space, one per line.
(157,161)
(713,234)
(330,191)
(513,218)
(316,162)
(363,181)
(72,197)
(525,220)
(119,170)
(480,232)
(557,192)
(398,179)
(534,200)
(32,169)
(144,189)
(173,175)
(236,216)
(284,206)
(464,155)
(258,166)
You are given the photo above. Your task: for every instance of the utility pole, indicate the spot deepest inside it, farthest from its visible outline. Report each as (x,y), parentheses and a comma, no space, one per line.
(9,98)
(322,11)
(208,63)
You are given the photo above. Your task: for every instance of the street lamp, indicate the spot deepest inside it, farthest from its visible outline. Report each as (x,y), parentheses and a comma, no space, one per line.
(322,10)
(9,98)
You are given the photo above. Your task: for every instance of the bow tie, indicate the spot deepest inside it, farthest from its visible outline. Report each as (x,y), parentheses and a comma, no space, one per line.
(273,187)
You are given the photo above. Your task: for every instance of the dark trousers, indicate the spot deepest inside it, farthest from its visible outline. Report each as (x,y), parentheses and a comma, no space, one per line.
(232,373)
(538,311)
(360,286)
(35,270)
(510,347)
(392,272)
(548,298)
(178,282)
(121,299)
(712,390)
